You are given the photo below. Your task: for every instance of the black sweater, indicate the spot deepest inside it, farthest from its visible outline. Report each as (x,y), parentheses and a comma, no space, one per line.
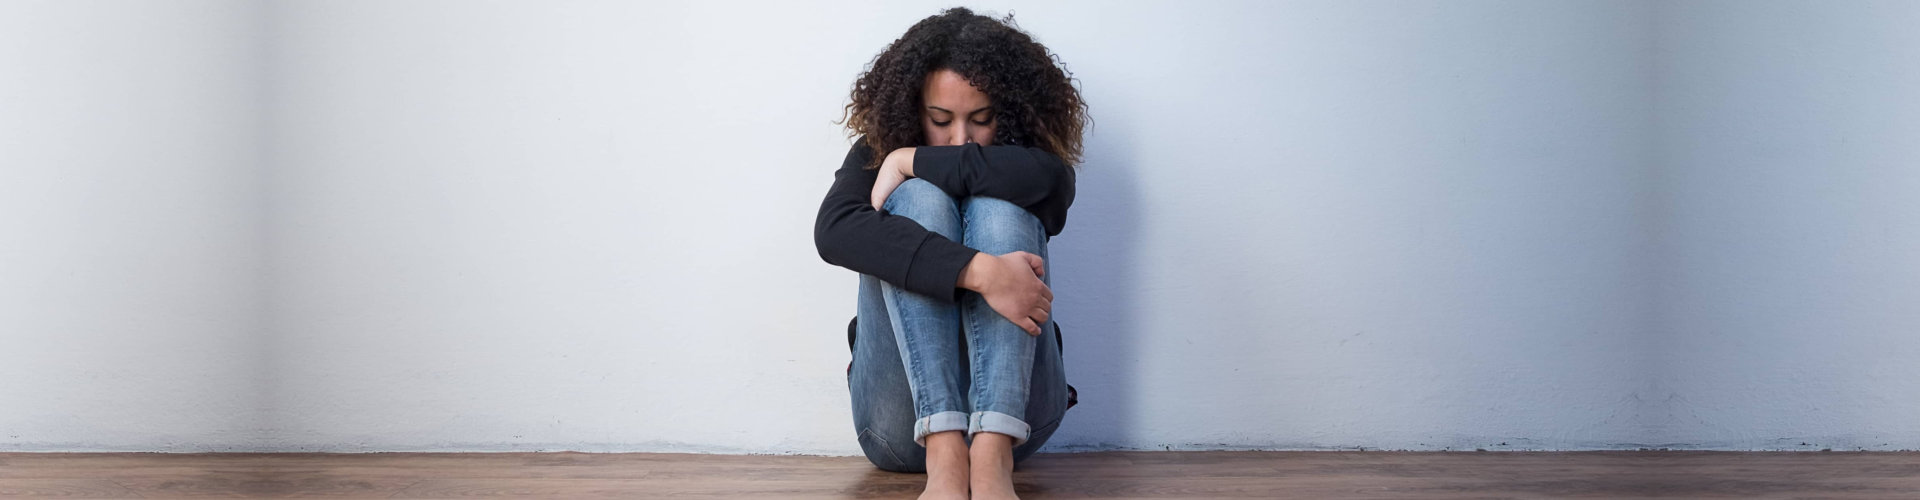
(851,234)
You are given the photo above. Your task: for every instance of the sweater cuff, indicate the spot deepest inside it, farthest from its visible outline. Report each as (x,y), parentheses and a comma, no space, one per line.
(936,266)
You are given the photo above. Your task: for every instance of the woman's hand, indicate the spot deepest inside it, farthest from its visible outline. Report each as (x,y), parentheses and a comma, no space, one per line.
(1011,284)
(894,170)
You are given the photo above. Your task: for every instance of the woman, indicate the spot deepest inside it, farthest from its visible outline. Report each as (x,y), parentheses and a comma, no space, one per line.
(969,134)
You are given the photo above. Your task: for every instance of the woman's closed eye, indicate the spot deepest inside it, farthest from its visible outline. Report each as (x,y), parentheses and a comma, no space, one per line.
(982,123)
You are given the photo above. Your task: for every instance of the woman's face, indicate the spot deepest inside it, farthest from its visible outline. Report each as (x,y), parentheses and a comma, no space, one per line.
(954,112)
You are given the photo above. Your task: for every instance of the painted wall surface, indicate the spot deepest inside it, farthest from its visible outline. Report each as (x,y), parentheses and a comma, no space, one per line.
(1790,226)
(132,264)
(479,226)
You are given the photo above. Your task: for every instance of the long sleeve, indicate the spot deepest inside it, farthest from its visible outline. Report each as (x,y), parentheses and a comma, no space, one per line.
(1026,176)
(849,233)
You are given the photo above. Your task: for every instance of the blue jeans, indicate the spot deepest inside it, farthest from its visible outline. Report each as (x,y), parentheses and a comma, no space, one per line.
(922,365)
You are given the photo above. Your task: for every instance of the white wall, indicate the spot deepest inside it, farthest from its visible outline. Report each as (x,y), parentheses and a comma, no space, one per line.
(1308,225)
(1791,269)
(131,268)
(1410,226)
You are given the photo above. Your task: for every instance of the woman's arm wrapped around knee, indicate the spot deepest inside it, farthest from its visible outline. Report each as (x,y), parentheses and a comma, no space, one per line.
(1011,284)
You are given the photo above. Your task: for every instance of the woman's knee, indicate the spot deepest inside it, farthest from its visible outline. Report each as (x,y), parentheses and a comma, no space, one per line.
(926,204)
(998,226)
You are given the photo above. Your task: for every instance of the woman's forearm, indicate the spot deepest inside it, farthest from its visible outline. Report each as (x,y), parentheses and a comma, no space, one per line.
(900,160)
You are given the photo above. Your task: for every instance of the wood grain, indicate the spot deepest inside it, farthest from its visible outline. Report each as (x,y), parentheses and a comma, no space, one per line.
(1214,474)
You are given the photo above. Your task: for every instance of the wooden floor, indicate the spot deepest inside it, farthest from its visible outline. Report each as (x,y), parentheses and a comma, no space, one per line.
(1311,474)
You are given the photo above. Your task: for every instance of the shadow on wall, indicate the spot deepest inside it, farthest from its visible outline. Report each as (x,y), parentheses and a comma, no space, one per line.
(1095,259)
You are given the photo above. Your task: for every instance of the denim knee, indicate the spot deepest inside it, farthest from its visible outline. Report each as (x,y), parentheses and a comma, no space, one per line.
(926,204)
(998,226)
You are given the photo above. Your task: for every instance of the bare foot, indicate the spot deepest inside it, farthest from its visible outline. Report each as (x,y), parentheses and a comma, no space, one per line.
(946,466)
(992,466)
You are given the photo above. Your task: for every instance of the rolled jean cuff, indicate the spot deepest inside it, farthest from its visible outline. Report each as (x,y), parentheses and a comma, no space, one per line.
(938,422)
(993,421)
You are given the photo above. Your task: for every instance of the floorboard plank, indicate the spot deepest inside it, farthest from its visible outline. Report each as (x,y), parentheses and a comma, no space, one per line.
(1141,475)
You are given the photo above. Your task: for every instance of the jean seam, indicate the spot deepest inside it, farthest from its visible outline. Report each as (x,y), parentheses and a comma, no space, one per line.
(914,375)
(975,390)
(885,447)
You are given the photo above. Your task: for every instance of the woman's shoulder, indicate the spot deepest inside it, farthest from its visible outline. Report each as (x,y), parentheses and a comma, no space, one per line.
(858,153)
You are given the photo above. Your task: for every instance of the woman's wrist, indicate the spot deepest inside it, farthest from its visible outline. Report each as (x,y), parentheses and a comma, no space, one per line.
(978,273)
(901,160)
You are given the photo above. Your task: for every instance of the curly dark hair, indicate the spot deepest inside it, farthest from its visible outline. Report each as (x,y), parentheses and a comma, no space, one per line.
(1033,96)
